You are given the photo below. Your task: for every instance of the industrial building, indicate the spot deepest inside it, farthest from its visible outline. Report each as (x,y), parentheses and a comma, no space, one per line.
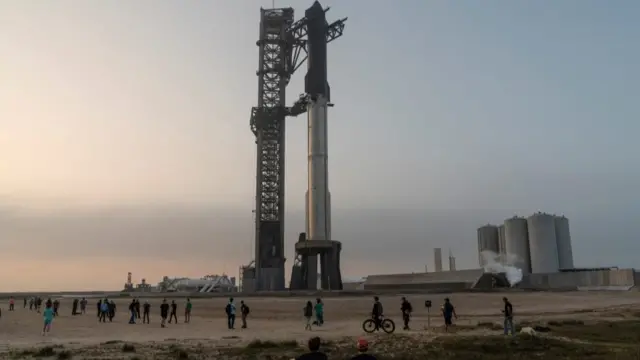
(205,284)
(538,244)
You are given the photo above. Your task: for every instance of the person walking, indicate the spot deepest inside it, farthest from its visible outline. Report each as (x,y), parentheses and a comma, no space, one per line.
(508,317)
(319,312)
(174,311)
(231,314)
(244,312)
(48,319)
(308,314)
(448,312)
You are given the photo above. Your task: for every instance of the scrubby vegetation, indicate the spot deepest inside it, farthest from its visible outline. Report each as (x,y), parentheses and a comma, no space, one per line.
(561,339)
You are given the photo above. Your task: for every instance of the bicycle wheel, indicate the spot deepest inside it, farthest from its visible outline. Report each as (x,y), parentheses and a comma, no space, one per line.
(388,326)
(369,326)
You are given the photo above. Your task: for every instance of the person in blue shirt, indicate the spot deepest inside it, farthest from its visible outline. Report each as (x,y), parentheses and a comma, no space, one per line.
(319,307)
(48,319)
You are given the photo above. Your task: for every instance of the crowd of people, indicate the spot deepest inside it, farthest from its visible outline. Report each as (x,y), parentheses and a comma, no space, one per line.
(313,314)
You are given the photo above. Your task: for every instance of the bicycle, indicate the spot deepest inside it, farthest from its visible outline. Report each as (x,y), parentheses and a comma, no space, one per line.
(387,325)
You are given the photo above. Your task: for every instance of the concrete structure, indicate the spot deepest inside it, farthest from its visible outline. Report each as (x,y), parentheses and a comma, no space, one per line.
(437,259)
(502,245)
(449,280)
(597,279)
(517,243)
(247,278)
(208,283)
(281,41)
(542,243)
(488,240)
(563,241)
(452,262)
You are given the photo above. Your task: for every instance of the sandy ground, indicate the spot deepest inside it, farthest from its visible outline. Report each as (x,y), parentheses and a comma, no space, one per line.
(277,318)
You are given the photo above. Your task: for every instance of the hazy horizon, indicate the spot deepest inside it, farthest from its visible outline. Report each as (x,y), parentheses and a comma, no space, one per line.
(125,141)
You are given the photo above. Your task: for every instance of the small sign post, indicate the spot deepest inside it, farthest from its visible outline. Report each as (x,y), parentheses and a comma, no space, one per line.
(427,304)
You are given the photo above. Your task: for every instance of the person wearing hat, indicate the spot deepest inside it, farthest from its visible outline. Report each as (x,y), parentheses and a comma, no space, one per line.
(363,347)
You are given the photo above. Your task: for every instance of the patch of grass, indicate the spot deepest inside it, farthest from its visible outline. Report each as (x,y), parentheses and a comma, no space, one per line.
(111,342)
(47,351)
(65,354)
(618,332)
(128,348)
(260,344)
(489,325)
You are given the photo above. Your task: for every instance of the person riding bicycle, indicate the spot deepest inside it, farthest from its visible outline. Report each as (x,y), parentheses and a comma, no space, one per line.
(377,312)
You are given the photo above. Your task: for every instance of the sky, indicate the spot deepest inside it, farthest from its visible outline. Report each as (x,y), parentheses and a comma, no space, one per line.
(125,141)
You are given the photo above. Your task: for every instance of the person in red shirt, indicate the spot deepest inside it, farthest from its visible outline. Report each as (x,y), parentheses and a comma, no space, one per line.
(363,347)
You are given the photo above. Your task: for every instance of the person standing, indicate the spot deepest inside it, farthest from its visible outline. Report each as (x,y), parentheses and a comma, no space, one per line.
(187,311)
(406,309)
(314,348)
(231,314)
(244,312)
(132,312)
(12,303)
(103,311)
(145,311)
(308,314)
(137,308)
(319,312)
(99,304)
(377,312)
(448,312)
(48,319)
(112,309)
(508,317)
(174,311)
(164,312)
(83,306)
(25,303)
(74,307)
(56,306)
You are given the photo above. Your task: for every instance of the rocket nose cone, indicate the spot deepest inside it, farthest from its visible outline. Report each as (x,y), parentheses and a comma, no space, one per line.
(316,8)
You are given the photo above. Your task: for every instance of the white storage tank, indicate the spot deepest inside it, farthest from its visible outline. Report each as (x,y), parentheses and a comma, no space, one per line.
(487,240)
(501,241)
(542,243)
(563,241)
(516,240)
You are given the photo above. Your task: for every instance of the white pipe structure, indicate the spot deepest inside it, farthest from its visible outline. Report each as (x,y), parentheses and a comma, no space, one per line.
(318,196)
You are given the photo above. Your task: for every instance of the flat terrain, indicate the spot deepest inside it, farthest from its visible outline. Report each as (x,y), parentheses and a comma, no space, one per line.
(279,321)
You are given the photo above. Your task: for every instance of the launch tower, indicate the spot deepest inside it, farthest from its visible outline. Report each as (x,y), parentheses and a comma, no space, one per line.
(284,46)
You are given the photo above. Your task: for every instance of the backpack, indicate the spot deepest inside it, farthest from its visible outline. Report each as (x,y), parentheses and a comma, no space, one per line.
(246,310)
(227,309)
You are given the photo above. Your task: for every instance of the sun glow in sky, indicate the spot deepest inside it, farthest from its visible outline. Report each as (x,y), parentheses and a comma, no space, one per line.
(125,141)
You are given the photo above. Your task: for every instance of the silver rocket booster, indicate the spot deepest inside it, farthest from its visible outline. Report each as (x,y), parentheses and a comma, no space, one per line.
(318,195)
(318,198)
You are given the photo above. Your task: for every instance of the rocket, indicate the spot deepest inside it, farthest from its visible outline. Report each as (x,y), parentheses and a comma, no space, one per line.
(318,198)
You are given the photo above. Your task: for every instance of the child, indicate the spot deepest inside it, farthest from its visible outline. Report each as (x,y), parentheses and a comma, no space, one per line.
(48,319)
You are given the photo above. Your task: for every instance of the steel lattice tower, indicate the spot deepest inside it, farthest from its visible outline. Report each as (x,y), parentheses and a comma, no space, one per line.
(281,46)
